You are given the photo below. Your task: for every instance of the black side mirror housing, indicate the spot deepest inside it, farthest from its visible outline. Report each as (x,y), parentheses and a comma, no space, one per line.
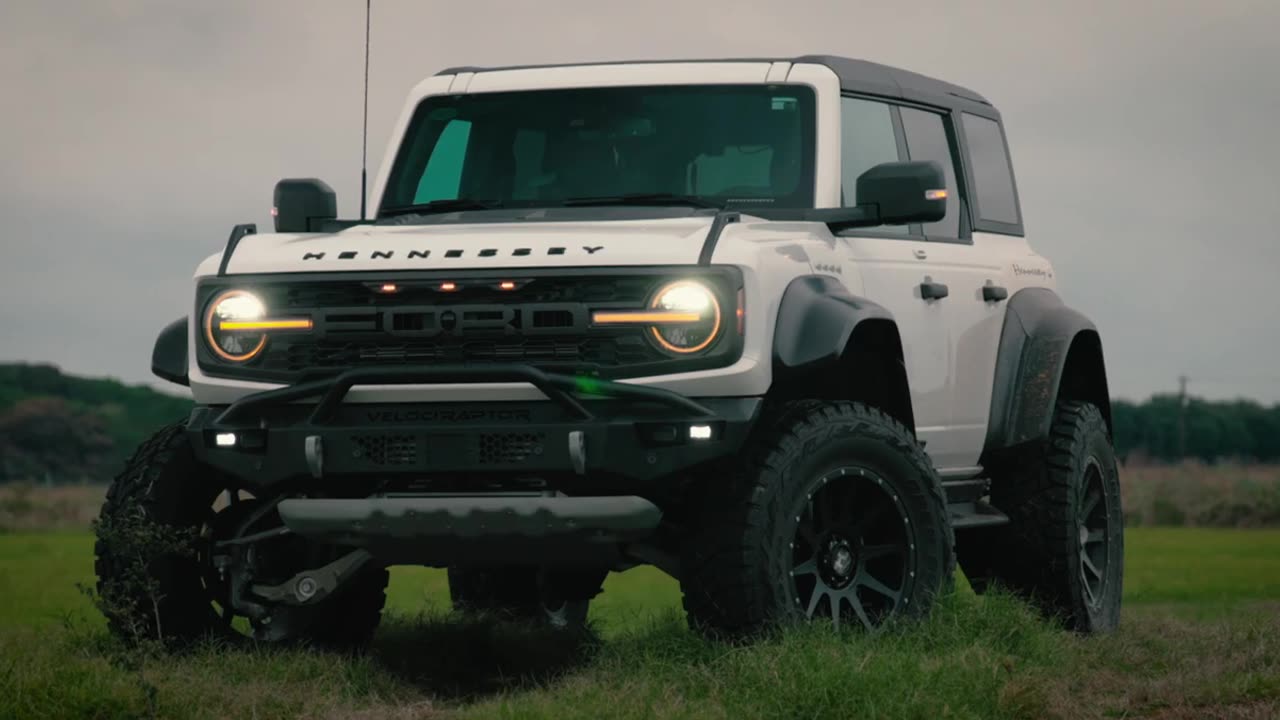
(303,205)
(893,193)
(904,192)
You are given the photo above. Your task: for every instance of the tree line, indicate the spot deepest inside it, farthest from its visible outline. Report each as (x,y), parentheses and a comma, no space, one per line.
(1168,428)
(59,428)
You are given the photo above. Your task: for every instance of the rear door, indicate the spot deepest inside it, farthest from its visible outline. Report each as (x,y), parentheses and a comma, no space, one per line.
(973,320)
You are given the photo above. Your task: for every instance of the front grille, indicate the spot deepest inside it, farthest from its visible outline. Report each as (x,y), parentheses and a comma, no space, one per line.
(545,321)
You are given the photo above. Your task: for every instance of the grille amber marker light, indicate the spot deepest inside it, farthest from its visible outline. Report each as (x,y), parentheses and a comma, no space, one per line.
(506,285)
(645,317)
(244,325)
(741,312)
(388,288)
(448,286)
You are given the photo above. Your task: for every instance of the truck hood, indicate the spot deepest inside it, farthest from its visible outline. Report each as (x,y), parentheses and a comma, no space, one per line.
(668,241)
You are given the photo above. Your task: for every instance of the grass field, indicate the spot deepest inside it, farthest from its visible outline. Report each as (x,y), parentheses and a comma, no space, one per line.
(1201,638)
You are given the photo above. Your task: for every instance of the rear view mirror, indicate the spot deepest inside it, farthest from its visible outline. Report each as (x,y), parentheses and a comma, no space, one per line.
(303,205)
(904,192)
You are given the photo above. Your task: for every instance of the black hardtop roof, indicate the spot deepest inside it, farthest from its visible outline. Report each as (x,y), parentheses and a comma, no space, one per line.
(857,76)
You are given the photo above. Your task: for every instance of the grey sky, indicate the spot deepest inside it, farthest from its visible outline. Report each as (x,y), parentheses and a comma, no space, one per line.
(135,133)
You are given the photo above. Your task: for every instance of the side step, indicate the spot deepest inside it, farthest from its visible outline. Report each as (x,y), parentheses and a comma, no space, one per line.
(966,507)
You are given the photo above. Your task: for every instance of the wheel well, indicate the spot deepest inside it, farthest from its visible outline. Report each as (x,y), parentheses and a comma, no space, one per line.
(1084,376)
(870,370)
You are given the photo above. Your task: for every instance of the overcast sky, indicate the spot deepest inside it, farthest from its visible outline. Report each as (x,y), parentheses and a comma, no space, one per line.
(135,133)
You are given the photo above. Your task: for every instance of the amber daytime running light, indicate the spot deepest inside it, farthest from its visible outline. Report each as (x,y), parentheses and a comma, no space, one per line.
(236,325)
(683,317)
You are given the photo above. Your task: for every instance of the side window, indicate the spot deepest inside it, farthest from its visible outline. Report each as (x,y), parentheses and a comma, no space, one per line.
(927,140)
(992,173)
(866,140)
(443,175)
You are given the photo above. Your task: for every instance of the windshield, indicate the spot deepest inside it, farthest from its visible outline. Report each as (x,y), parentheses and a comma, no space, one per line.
(682,145)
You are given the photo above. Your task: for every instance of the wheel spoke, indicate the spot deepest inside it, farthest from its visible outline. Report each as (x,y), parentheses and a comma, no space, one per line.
(873,552)
(1088,586)
(819,591)
(1095,536)
(1087,562)
(868,581)
(835,609)
(1090,502)
(861,612)
(808,567)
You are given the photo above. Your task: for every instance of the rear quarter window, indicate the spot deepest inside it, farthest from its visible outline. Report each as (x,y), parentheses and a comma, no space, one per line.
(992,172)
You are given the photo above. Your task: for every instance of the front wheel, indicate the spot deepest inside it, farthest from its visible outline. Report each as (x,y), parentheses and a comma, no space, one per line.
(183,554)
(838,517)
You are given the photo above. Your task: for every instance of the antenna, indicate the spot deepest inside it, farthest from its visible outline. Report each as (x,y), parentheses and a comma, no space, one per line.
(364,132)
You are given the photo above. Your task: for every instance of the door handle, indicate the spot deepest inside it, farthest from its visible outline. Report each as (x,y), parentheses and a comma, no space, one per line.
(994,293)
(933,290)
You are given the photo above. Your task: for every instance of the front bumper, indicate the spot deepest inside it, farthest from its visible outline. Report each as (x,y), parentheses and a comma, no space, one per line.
(589,436)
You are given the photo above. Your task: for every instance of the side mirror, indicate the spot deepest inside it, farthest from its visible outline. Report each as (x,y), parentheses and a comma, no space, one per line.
(904,192)
(304,204)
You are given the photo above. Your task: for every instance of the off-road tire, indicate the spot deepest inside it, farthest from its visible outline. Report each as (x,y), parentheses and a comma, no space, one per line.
(737,560)
(164,487)
(521,593)
(1038,555)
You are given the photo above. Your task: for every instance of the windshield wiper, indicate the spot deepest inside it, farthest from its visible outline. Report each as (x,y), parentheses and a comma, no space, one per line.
(439,206)
(655,199)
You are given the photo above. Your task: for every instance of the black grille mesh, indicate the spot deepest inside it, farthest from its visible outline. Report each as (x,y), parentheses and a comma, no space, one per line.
(508,448)
(386,449)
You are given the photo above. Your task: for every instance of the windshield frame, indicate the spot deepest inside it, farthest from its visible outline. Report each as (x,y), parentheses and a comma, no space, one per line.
(804,197)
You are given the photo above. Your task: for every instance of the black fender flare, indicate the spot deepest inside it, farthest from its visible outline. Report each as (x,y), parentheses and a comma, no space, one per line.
(816,318)
(1039,336)
(169,356)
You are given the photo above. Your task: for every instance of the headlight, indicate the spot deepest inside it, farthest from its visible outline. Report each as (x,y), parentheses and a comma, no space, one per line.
(694,316)
(236,325)
(683,317)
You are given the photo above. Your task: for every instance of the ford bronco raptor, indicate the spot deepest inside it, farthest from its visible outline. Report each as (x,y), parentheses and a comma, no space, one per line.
(769,325)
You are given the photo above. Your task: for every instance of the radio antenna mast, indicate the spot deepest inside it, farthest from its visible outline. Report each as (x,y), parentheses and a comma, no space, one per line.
(364,132)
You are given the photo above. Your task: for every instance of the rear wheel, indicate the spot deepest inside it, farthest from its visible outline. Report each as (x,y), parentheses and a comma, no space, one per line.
(1064,546)
(182,554)
(838,517)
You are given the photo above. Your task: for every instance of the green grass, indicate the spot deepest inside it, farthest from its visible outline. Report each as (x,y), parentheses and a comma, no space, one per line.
(1200,638)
